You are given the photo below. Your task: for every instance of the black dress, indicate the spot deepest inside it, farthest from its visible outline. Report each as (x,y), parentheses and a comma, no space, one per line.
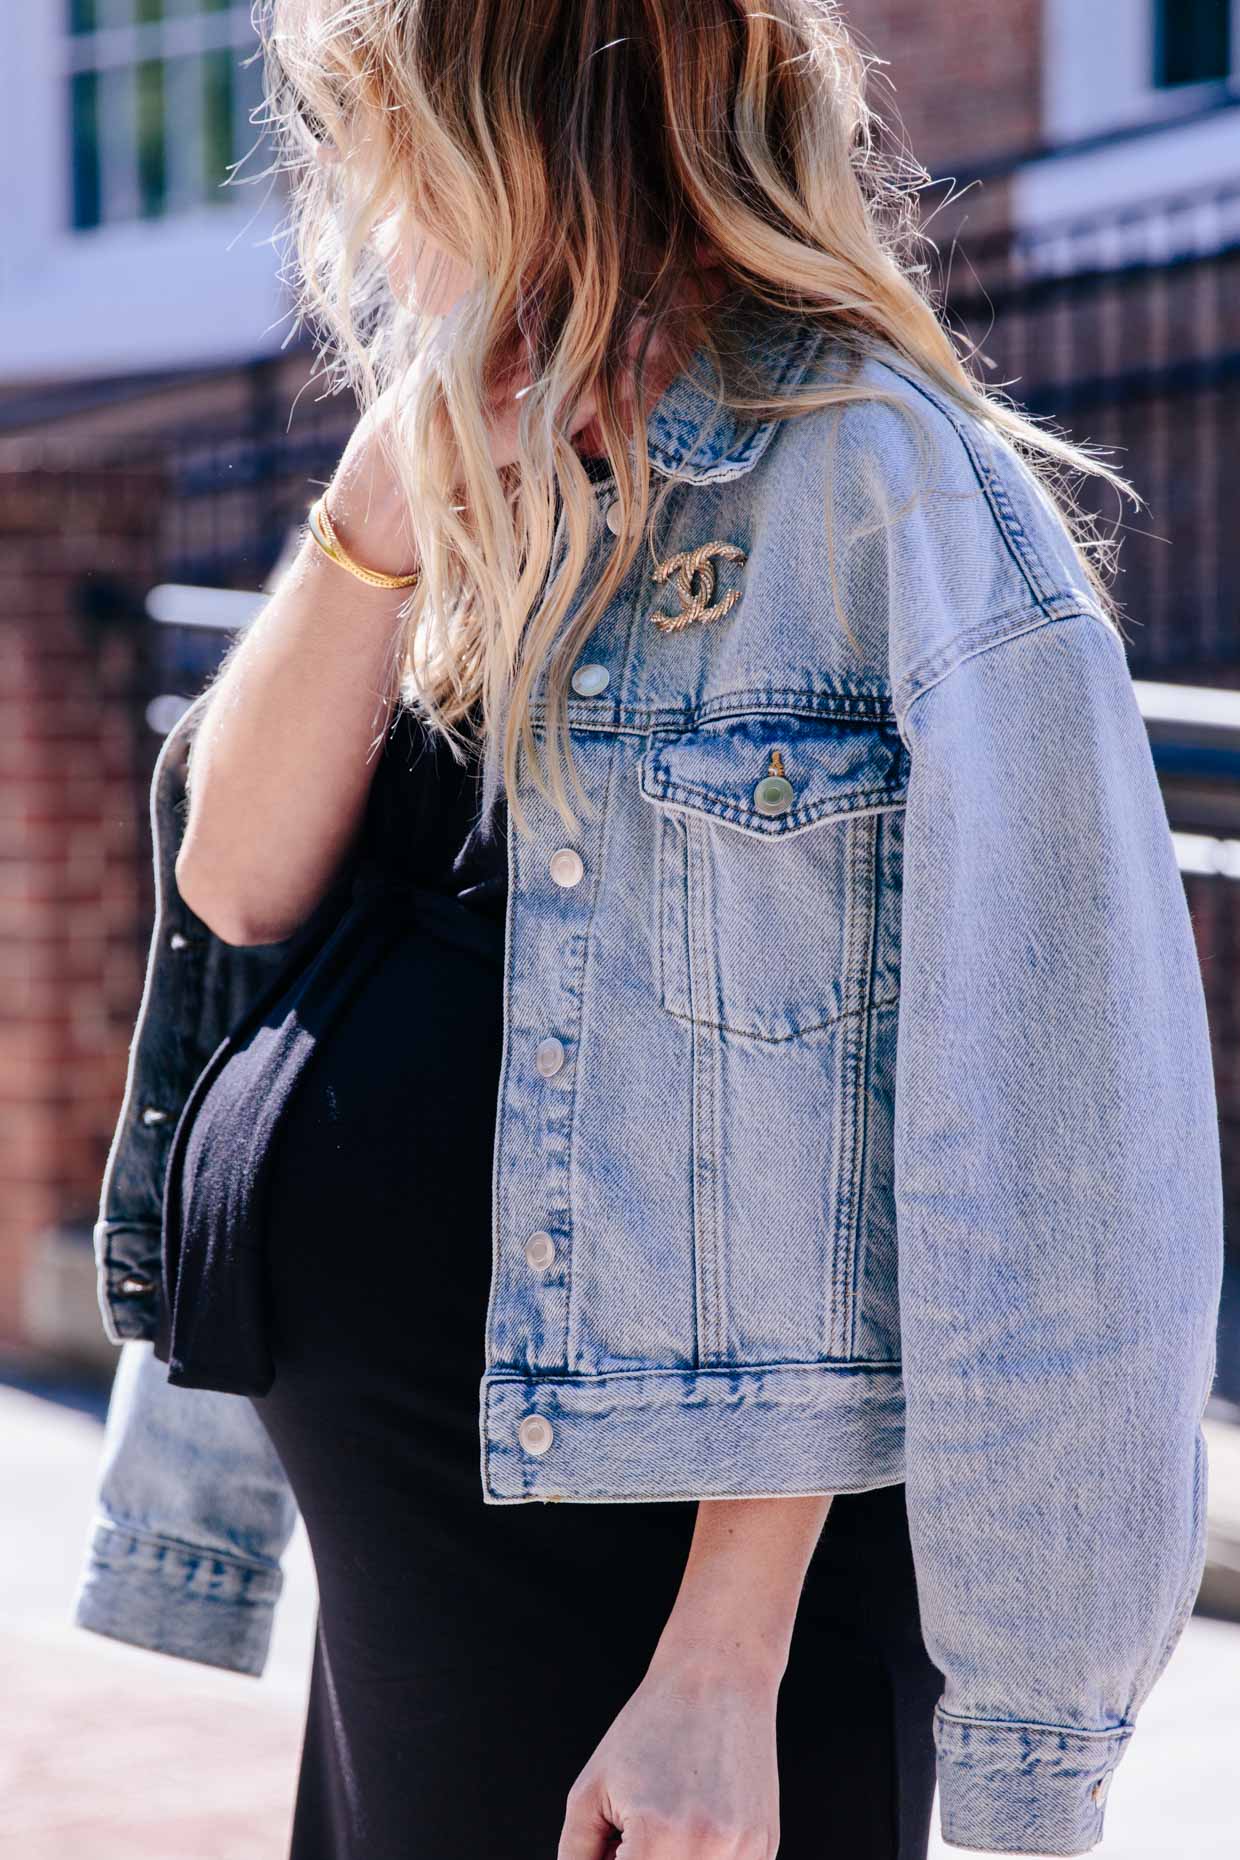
(468,1657)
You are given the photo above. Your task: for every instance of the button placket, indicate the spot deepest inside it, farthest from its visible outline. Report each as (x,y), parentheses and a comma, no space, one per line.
(590,680)
(535,1433)
(566,867)
(548,1057)
(529,1324)
(539,1251)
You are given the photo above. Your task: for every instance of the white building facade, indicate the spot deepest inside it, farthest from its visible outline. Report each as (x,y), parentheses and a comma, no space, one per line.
(139,201)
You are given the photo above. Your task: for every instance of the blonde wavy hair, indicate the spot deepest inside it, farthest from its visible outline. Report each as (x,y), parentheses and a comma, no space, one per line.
(578,156)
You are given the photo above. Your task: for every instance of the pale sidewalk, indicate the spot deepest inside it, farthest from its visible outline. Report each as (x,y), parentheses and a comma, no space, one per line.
(111,1753)
(108,1752)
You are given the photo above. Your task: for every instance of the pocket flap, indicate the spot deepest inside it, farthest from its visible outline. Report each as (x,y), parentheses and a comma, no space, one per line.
(830,765)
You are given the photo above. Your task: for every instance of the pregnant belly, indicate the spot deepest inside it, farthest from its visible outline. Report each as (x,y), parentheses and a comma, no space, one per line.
(332,1137)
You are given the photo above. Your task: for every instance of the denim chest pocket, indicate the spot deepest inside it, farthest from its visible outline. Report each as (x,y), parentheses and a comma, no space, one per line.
(769,868)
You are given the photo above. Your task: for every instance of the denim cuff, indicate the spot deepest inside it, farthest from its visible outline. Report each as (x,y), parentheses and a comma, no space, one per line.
(171,1598)
(1023,1788)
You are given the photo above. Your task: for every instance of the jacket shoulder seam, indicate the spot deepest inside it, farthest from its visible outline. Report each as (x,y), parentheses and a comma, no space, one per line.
(1026,557)
(984,638)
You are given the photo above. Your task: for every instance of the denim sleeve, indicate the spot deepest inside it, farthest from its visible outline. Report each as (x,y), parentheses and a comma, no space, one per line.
(192,1517)
(1059,1207)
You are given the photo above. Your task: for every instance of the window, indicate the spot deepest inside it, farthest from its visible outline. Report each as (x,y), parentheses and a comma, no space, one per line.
(160,94)
(1192,41)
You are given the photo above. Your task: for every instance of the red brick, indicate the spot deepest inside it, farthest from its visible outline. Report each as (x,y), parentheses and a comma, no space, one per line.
(75,759)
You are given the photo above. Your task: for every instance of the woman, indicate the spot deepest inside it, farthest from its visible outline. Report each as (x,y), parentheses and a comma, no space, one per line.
(632,869)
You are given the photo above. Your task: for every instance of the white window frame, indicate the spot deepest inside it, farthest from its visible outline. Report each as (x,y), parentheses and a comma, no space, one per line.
(118,49)
(191,287)
(1204,84)
(1098,78)
(1098,68)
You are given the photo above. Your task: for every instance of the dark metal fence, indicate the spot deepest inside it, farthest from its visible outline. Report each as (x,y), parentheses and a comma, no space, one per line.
(1123,328)
(236,486)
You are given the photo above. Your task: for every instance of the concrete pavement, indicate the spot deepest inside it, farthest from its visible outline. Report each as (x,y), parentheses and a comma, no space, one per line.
(108,1752)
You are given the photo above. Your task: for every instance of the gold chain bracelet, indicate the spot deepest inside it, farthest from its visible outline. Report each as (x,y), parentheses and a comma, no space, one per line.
(320,526)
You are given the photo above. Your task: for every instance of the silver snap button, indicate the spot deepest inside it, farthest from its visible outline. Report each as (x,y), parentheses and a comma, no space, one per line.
(566,867)
(151,1114)
(178,940)
(773,795)
(134,1286)
(539,1251)
(589,680)
(534,1433)
(613,517)
(549,1057)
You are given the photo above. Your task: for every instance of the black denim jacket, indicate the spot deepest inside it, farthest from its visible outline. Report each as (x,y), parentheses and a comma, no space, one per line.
(197,987)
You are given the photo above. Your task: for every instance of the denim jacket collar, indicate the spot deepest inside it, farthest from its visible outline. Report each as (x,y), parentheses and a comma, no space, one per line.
(687,438)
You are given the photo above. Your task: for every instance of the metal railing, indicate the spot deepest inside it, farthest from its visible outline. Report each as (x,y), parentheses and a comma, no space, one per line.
(1121,326)
(1123,329)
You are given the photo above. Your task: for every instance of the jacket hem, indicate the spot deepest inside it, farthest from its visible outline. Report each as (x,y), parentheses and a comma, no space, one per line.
(171,1598)
(772,1431)
(1016,1788)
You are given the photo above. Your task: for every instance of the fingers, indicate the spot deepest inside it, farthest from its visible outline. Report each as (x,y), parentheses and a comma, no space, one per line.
(588,1834)
(697,1838)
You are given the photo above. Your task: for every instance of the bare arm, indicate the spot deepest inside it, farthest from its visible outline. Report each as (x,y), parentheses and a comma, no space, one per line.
(738,1597)
(280,767)
(688,1769)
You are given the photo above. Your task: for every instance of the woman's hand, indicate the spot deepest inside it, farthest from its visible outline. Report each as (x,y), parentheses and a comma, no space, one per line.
(366,503)
(686,1772)
(365,499)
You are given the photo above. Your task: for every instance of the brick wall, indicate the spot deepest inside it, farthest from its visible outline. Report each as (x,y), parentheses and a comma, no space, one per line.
(75,758)
(957,85)
(966,76)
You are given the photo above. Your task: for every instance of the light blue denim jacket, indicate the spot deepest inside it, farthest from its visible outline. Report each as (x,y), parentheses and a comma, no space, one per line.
(860,1082)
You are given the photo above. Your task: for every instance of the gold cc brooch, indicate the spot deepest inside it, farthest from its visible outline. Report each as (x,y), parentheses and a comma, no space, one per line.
(694,570)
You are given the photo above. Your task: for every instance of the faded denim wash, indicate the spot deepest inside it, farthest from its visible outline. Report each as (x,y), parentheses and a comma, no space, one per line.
(871,1115)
